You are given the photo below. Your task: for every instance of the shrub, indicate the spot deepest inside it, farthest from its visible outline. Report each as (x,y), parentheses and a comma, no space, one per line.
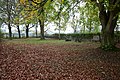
(78,37)
(56,35)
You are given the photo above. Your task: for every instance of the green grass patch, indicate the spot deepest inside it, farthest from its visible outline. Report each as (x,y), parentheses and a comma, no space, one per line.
(38,41)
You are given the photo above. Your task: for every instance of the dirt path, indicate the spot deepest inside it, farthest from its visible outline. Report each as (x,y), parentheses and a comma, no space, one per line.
(58,62)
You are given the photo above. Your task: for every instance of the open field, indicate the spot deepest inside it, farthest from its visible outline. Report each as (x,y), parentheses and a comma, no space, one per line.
(34,59)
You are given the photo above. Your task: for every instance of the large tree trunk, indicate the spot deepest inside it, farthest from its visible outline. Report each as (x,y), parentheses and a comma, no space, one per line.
(19,31)
(108,21)
(107,41)
(108,34)
(42,29)
(27,31)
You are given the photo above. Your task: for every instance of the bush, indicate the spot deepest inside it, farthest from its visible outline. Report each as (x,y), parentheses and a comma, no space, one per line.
(85,34)
(76,36)
(56,35)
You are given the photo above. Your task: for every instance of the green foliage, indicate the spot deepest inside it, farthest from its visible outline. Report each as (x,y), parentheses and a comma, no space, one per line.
(106,47)
(89,18)
(84,35)
(74,35)
(62,35)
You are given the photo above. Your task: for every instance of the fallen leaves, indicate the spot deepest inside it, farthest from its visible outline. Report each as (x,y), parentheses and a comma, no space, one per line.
(57,62)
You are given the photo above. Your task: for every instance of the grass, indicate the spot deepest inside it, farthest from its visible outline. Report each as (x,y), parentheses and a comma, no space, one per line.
(38,41)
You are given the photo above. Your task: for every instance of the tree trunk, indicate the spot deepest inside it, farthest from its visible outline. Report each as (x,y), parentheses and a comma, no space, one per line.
(83,27)
(107,39)
(36,32)
(59,29)
(59,34)
(108,42)
(19,31)
(9,15)
(27,31)
(75,31)
(90,27)
(10,31)
(108,19)
(42,29)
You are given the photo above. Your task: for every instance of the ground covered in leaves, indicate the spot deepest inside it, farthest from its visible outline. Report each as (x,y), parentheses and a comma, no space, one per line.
(57,61)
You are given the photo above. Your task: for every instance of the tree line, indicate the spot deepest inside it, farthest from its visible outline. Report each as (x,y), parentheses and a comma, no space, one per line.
(88,15)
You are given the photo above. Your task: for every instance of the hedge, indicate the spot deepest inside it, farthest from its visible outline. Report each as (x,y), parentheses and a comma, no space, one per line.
(77,35)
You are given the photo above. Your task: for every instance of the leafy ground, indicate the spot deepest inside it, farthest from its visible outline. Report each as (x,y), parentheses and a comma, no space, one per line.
(28,59)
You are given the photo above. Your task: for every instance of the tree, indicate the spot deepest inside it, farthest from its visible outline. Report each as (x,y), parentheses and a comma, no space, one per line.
(30,18)
(39,9)
(89,19)
(108,15)
(16,20)
(7,10)
(36,31)
(41,22)
(59,16)
(75,22)
(82,19)
(27,30)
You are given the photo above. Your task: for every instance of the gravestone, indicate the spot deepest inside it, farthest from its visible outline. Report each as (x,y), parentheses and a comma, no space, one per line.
(96,38)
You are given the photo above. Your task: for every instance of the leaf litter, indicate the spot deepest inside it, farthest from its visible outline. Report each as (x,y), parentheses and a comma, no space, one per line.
(58,62)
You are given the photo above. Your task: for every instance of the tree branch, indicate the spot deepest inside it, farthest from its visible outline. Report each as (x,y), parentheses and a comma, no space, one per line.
(32,26)
(41,3)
